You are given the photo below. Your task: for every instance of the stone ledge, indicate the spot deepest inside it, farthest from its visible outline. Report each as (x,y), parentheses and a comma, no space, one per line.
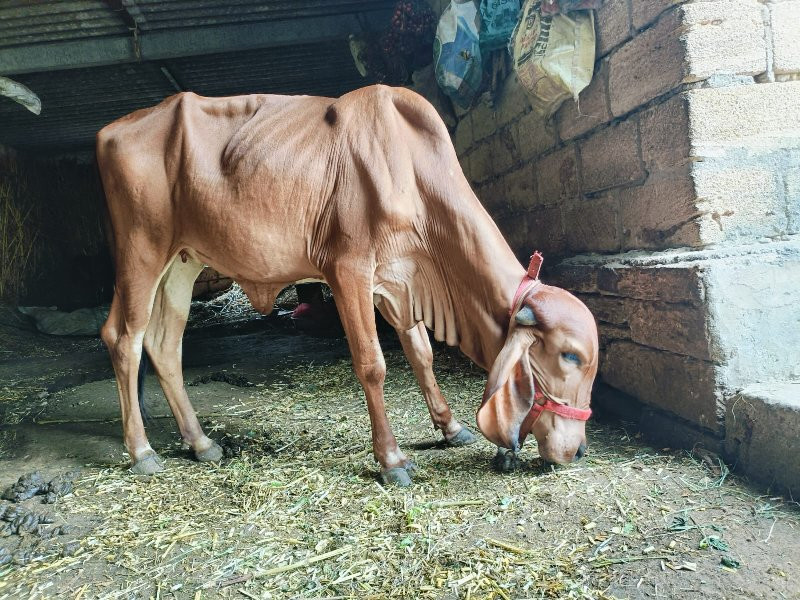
(762,424)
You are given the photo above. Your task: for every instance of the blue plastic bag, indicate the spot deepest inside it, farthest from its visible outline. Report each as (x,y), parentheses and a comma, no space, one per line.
(498,19)
(457,52)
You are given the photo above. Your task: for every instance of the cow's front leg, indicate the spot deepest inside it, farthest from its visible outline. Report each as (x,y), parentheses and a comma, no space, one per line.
(418,351)
(353,295)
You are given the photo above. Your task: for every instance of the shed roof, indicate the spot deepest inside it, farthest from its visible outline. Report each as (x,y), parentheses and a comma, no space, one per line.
(92,61)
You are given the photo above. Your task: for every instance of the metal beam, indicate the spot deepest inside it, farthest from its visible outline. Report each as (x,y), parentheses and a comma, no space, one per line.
(164,44)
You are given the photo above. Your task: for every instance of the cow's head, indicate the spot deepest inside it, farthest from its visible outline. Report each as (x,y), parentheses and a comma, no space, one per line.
(549,359)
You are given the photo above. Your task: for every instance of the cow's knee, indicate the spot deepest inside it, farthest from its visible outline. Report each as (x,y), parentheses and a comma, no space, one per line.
(109,335)
(371,373)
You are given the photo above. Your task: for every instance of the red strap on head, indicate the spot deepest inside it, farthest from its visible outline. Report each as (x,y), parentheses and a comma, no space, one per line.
(531,277)
(562,410)
(536,263)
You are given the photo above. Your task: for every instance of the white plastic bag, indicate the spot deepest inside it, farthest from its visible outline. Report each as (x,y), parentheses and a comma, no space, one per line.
(553,55)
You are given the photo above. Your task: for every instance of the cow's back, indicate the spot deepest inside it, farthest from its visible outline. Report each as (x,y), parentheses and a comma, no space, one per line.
(273,188)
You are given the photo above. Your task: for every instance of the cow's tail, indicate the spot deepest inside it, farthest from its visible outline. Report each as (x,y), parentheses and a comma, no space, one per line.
(140,387)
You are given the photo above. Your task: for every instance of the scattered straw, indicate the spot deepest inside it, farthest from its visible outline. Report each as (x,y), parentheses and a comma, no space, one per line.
(299,514)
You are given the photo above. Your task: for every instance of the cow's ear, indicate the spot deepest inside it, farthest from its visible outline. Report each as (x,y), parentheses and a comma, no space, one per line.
(509,395)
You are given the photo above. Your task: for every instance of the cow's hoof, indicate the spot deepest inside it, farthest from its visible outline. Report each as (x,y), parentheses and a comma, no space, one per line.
(211,454)
(396,476)
(506,461)
(149,464)
(462,438)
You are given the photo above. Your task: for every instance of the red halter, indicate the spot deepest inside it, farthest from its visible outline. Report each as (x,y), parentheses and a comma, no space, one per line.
(541,402)
(562,410)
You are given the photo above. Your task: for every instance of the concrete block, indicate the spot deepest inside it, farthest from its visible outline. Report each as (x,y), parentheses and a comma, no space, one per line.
(533,135)
(557,176)
(492,197)
(660,214)
(727,36)
(480,163)
(670,276)
(610,157)
(591,225)
(545,232)
(608,309)
(659,428)
(792,194)
(738,202)
(644,12)
(512,103)
(462,139)
(662,429)
(674,383)
(754,321)
(649,65)
(612,25)
(785,24)
(664,134)
(761,425)
(608,334)
(483,123)
(591,110)
(519,187)
(514,227)
(504,151)
(676,328)
(745,116)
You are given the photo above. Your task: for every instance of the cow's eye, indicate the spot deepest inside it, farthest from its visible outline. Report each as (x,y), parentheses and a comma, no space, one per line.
(571,357)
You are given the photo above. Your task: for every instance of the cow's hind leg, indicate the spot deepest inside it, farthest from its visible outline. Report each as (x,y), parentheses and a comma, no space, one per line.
(164,344)
(417,347)
(123,334)
(352,289)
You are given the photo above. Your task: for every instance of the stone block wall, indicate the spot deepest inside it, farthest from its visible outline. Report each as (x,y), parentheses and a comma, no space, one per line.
(668,196)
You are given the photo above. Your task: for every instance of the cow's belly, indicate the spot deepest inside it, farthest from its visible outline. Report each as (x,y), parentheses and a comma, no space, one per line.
(258,237)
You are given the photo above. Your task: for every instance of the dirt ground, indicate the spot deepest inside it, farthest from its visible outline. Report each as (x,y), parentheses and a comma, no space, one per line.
(295,510)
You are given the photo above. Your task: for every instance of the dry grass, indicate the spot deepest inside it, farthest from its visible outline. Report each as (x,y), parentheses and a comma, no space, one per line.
(299,514)
(17,239)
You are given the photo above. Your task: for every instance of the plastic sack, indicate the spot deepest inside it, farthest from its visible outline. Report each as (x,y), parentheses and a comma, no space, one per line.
(84,321)
(553,55)
(457,53)
(554,7)
(498,19)
(19,93)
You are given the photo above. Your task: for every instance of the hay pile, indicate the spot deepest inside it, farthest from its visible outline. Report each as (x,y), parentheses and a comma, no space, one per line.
(297,511)
(17,236)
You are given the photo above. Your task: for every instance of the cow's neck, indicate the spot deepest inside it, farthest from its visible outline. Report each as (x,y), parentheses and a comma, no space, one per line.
(481,275)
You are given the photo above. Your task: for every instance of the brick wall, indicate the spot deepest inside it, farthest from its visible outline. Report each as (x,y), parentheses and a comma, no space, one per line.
(669,193)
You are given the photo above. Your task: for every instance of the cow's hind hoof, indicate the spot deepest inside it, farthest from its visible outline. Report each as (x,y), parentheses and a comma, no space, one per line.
(462,438)
(506,461)
(149,464)
(396,476)
(211,454)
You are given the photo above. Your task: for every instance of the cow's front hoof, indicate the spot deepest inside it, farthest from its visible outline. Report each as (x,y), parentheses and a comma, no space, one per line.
(149,463)
(211,454)
(506,461)
(462,438)
(396,476)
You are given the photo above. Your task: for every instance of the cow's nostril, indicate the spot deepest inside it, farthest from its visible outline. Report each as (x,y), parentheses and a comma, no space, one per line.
(581,451)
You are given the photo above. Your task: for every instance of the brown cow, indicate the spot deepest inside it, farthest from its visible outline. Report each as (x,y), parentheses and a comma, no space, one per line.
(364,192)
